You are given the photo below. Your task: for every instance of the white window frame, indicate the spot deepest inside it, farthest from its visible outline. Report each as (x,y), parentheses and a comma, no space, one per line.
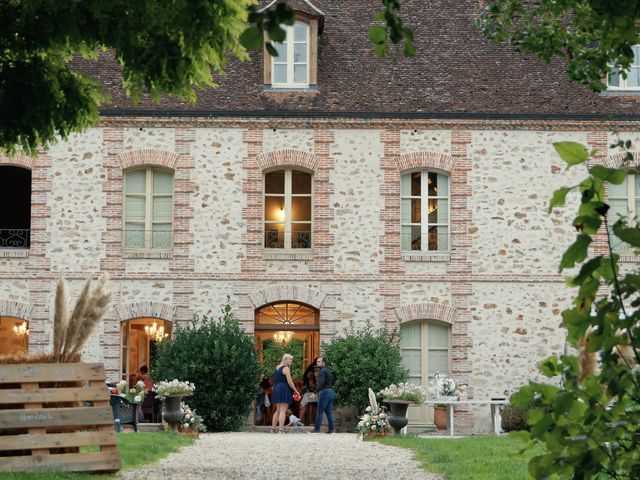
(424,349)
(149,195)
(288,222)
(424,207)
(631,207)
(290,42)
(623,81)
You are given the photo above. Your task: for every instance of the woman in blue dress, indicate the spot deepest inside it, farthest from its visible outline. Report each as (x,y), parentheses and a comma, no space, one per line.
(282,395)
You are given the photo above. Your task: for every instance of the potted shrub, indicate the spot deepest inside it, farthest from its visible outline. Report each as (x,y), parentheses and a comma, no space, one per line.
(399,397)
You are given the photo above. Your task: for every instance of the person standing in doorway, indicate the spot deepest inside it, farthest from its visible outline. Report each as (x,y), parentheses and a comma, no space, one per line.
(282,396)
(326,395)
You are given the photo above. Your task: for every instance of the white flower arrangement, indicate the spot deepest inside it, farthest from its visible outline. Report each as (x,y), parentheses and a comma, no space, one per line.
(134,394)
(191,420)
(404,391)
(442,386)
(374,422)
(174,387)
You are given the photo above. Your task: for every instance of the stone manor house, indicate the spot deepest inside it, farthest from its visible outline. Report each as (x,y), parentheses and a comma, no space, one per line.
(320,188)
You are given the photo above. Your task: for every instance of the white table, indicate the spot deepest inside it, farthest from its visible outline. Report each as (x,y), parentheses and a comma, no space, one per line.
(494,405)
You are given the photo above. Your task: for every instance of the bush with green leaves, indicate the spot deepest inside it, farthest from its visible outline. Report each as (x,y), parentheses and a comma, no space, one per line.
(589,419)
(364,359)
(220,359)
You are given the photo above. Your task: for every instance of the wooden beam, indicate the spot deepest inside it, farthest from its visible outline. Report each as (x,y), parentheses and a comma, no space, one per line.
(47,395)
(51,372)
(56,417)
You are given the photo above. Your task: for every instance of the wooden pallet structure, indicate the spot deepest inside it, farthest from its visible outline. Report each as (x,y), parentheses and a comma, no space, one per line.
(44,423)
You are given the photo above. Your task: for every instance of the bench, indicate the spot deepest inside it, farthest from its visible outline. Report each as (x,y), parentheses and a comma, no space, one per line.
(494,406)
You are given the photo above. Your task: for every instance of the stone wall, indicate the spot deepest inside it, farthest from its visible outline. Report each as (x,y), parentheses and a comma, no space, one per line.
(500,278)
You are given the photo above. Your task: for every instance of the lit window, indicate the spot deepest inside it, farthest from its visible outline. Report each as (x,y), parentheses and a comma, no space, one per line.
(424,211)
(624,200)
(287,209)
(148,209)
(632,82)
(290,69)
(424,348)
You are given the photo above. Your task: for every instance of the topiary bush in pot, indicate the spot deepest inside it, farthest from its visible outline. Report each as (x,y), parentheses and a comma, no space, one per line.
(362,359)
(220,359)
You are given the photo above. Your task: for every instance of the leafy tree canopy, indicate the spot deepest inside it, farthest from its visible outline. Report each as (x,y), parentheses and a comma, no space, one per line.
(593,36)
(163,47)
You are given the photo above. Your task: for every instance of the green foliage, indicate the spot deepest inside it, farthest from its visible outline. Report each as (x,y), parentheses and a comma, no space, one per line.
(393,29)
(364,359)
(594,37)
(272,353)
(220,359)
(590,424)
(514,418)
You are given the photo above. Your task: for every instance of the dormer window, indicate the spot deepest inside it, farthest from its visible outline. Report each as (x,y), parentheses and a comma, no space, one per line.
(632,82)
(296,66)
(291,67)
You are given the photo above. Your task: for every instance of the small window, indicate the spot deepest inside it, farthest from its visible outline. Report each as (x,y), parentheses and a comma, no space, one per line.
(15,222)
(624,200)
(425,350)
(287,209)
(424,212)
(148,209)
(290,69)
(615,80)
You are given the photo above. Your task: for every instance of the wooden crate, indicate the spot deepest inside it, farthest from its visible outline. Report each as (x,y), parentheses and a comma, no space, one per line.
(43,422)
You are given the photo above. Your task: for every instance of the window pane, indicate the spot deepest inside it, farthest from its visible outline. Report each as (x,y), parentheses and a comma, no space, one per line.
(432,182)
(274,182)
(415,184)
(274,209)
(438,211)
(300,53)
(636,55)
(405,210)
(438,361)
(633,78)
(162,209)
(279,73)
(301,209)
(620,191)
(134,209)
(135,181)
(162,182)
(300,182)
(300,32)
(300,73)
(281,48)
(617,208)
(410,335)
(134,235)
(614,79)
(301,235)
(162,235)
(438,238)
(438,335)
(410,238)
(274,235)
(442,185)
(412,361)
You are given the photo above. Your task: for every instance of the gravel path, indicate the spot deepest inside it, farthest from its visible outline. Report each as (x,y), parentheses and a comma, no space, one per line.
(284,457)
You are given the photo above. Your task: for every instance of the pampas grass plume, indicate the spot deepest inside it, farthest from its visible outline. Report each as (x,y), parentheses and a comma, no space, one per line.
(60,317)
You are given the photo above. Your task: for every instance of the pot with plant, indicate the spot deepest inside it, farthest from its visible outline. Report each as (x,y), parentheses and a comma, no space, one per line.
(442,387)
(399,397)
(171,394)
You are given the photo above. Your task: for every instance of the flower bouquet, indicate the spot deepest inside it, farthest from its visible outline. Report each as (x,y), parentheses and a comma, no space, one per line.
(374,422)
(409,392)
(134,394)
(191,422)
(443,386)
(174,387)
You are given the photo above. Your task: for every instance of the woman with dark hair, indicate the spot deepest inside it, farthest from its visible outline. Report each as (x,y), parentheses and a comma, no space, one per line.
(309,379)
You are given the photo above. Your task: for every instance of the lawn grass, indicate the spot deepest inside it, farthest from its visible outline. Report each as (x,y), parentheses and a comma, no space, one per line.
(136,449)
(477,458)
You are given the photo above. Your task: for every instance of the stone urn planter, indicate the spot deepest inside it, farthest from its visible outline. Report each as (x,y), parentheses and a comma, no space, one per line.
(398,414)
(440,417)
(171,412)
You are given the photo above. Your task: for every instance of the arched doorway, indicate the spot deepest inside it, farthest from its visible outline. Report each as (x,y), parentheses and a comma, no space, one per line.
(139,339)
(287,326)
(14,336)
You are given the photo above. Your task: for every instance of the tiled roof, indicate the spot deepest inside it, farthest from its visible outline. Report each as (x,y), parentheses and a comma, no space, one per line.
(456,72)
